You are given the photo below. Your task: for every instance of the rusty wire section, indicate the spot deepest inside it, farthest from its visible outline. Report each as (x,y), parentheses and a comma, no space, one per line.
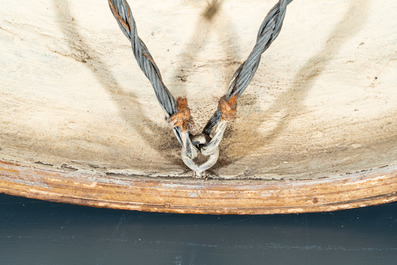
(206,144)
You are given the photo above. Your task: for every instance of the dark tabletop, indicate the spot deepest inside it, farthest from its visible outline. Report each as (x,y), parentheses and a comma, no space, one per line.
(34,232)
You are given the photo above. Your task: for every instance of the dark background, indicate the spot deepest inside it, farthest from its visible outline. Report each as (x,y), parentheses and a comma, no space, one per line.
(34,232)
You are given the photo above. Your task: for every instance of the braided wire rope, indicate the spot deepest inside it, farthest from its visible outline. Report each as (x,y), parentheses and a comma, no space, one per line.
(122,12)
(268,32)
(214,130)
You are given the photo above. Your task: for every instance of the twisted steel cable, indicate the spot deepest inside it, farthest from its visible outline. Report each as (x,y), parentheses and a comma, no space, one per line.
(268,32)
(122,12)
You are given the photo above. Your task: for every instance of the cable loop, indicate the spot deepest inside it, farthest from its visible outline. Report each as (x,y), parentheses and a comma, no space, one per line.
(208,149)
(177,111)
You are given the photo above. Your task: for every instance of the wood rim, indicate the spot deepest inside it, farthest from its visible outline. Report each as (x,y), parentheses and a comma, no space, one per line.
(198,196)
